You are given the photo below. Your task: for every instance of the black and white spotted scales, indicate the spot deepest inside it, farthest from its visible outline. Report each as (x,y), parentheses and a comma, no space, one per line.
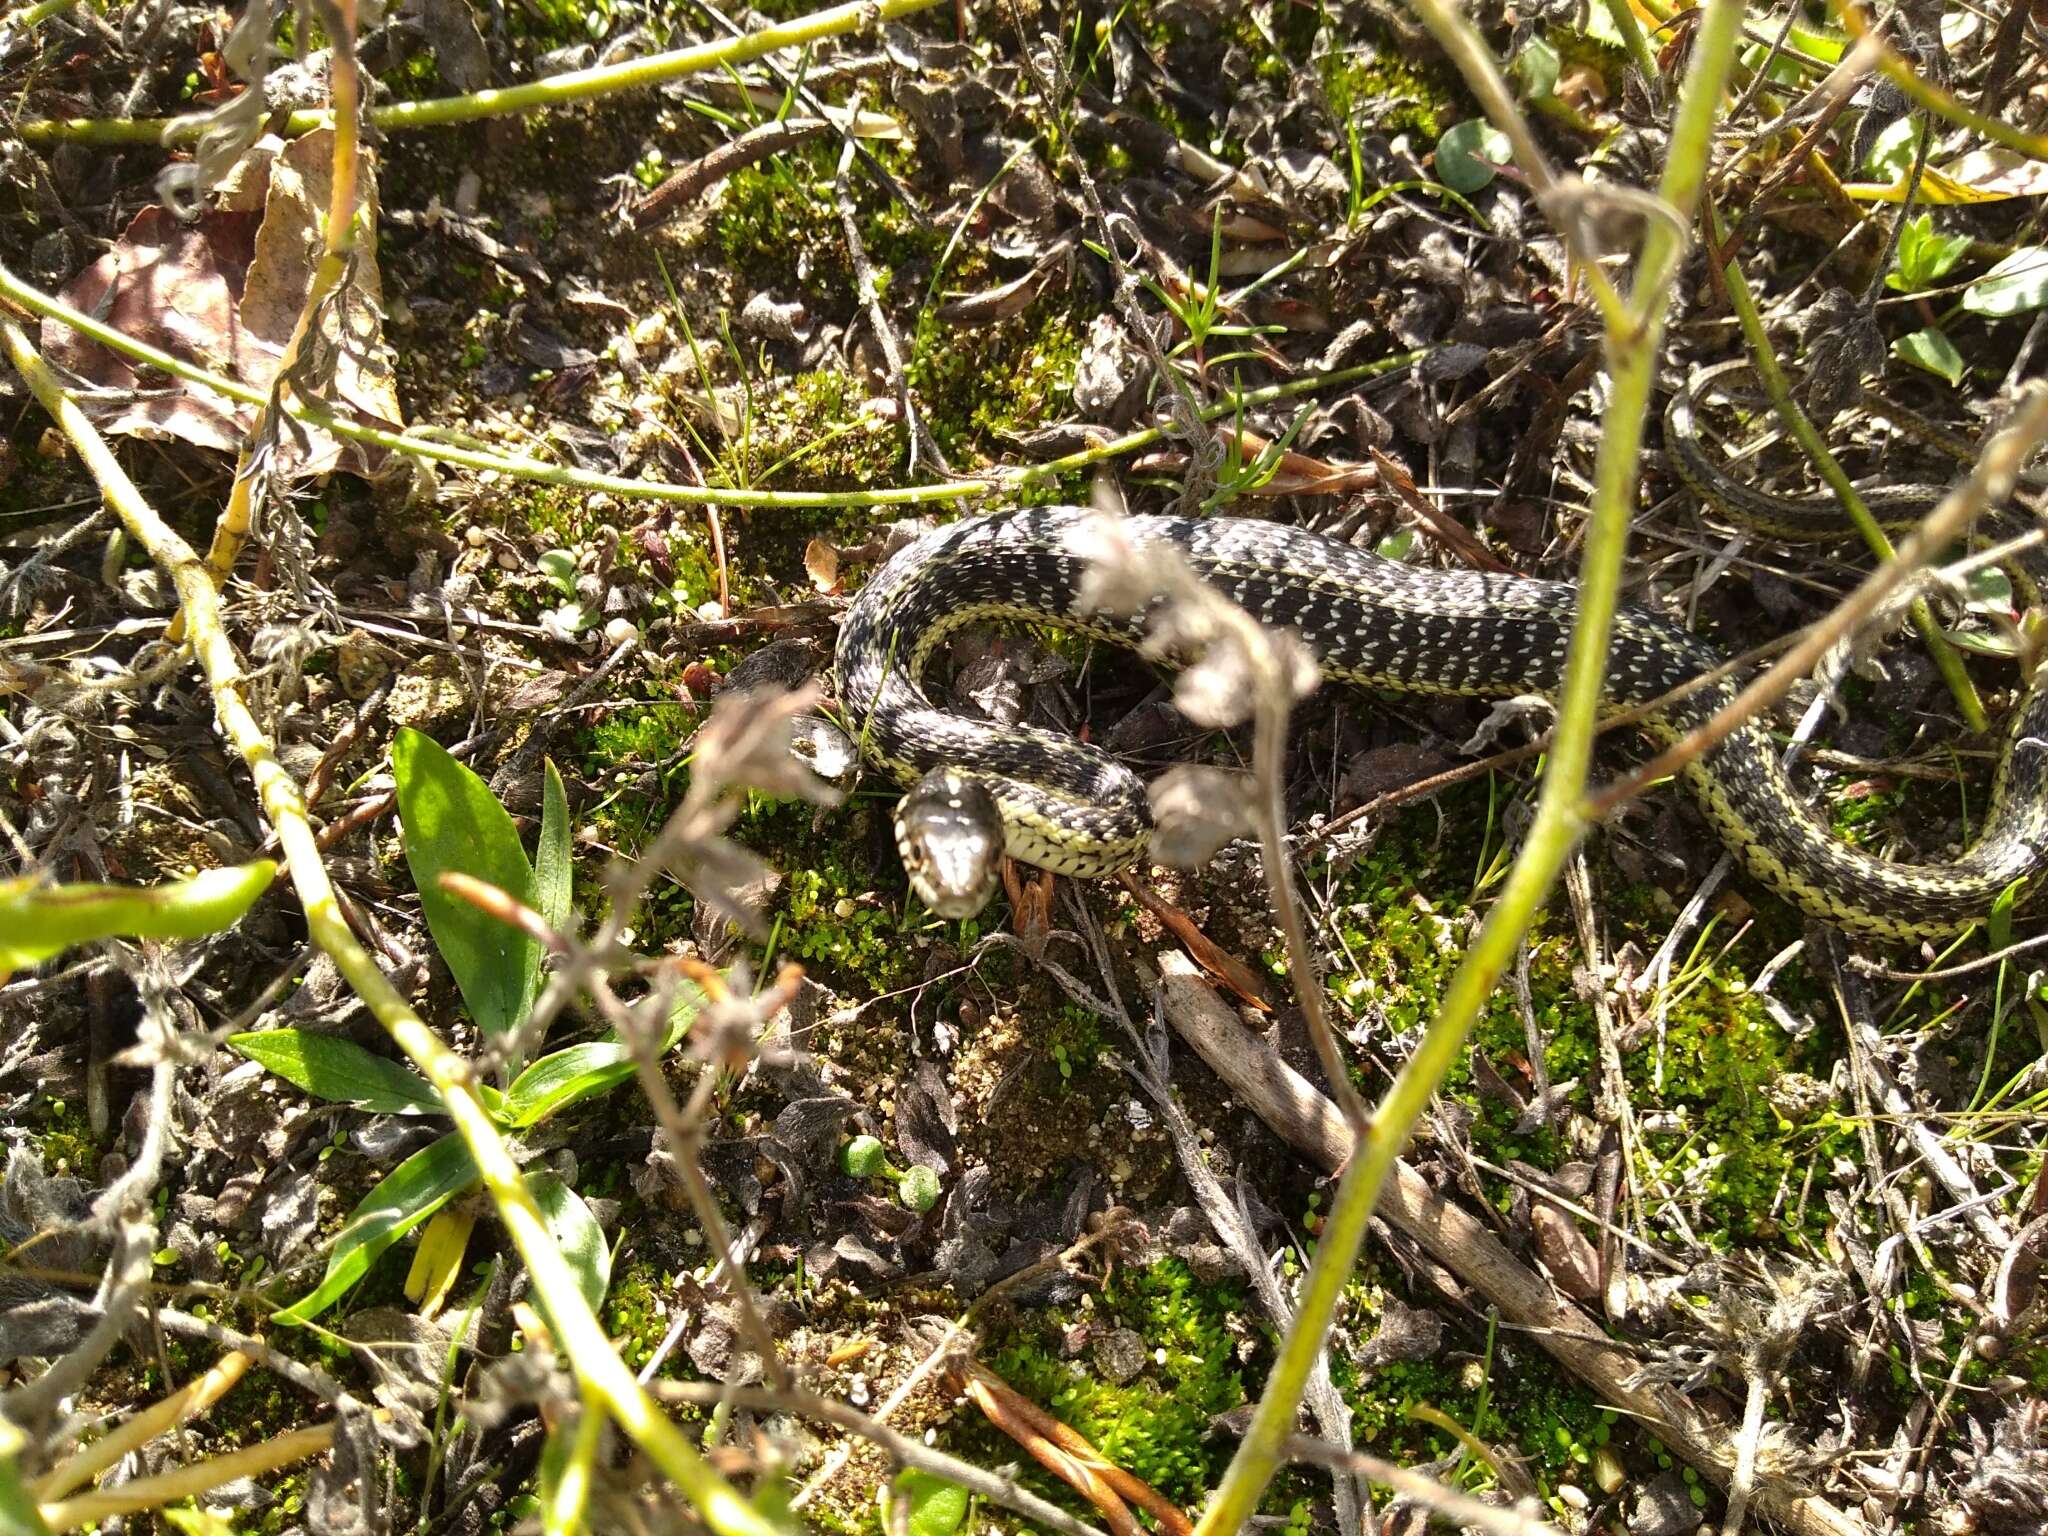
(1380,624)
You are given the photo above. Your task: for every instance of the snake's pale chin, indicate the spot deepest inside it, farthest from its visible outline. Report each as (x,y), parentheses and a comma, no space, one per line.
(949,831)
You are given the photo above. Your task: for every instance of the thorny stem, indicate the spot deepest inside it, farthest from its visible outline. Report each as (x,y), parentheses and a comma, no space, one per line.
(579,1334)
(538,95)
(1633,342)
(1765,361)
(1990,481)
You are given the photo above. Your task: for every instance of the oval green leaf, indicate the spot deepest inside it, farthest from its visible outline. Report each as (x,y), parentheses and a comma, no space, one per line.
(339,1070)
(1469,152)
(2017,284)
(937,1507)
(407,1196)
(1931,349)
(562,1077)
(452,822)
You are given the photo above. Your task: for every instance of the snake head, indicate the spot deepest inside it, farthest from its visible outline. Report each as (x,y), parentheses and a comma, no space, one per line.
(949,831)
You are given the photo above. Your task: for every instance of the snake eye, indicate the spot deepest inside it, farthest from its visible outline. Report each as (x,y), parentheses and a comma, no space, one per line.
(949,830)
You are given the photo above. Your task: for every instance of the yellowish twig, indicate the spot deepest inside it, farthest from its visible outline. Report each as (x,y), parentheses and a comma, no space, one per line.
(183,1405)
(189,1482)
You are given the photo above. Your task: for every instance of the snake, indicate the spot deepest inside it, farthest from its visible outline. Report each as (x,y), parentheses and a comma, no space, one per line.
(979,789)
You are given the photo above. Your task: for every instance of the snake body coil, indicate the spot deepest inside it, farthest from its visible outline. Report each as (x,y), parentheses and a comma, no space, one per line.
(1069,807)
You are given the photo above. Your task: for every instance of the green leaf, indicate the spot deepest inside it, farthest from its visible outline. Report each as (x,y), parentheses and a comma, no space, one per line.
(1989,590)
(1931,349)
(452,822)
(19,1514)
(1468,152)
(407,1196)
(39,920)
(1999,929)
(191,1520)
(559,566)
(937,1507)
(562,1077)
(1891,156)
(864,1157)
(918,1189)
(1924,257)
(552,859)
(576,1233)
(2017,284)
(1537,67)
(339,1070)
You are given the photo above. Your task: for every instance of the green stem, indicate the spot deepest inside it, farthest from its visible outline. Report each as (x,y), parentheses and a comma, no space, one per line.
(1623,15)
(30,16)
(1632,349)
(578,1335)
(537,95)
(1946,657)
(34,300)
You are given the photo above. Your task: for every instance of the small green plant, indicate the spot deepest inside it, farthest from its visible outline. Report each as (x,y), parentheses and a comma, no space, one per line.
(559,566)
(1200,311)
(935,1507)
(454,825)
(864,1157)
(1924,257)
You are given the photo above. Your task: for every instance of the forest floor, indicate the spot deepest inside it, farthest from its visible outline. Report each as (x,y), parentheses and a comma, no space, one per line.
(1770,1163)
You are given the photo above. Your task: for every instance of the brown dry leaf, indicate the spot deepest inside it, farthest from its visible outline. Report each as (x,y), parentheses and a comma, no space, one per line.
(226,292)
(1571,1260)
(821,564)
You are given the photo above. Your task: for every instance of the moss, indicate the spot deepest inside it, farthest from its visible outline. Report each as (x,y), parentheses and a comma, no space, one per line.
(771,225)
(64,1136)
(1384,91)
(1706,1072)
(636,1313)
(1017,375)
(1075,1040)
(816,434)
(1157,1424)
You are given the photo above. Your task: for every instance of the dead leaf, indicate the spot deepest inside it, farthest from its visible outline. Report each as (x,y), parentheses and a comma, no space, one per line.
(225,292)
(1571,1260)
(821,564)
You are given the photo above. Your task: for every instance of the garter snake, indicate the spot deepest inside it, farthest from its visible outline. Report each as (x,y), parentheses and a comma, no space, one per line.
(1071,808)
